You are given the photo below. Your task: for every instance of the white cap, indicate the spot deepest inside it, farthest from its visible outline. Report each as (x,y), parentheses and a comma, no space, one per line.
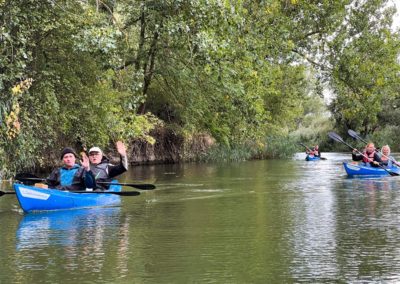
(95,149)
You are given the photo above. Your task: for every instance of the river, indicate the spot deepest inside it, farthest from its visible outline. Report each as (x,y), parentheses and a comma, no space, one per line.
(268,221)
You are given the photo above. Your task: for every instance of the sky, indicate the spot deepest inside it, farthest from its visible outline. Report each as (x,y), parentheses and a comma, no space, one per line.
(396,19)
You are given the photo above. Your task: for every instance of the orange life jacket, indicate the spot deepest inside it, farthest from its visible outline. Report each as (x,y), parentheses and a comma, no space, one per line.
(371,156)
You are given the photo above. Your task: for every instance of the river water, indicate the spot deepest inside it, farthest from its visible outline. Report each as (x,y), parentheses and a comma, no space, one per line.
(271,221)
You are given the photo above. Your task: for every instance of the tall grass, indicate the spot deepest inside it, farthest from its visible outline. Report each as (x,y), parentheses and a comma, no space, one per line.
(235,153)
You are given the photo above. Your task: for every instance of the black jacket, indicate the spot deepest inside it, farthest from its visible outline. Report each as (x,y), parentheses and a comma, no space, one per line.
(105,171)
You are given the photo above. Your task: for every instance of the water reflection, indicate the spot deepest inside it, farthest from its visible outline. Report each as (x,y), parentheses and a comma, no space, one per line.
(73,238)
(367,230)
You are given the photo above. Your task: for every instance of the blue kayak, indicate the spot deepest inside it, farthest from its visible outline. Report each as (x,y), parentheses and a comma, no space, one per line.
(33,198)
(366,170)
(312,158)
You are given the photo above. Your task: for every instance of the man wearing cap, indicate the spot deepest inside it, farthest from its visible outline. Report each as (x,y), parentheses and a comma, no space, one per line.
(101,167)
(70,176)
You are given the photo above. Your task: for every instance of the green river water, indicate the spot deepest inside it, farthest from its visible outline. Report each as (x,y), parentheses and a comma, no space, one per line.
(271,221)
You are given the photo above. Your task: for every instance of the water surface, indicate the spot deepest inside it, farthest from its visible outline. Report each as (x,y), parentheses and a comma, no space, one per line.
(273,221)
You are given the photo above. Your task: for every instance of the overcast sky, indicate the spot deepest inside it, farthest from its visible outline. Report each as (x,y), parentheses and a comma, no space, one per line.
(396,20)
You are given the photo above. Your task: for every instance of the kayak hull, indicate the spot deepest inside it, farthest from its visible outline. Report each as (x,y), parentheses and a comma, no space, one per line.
(33,198)
(362,170)
(312,158)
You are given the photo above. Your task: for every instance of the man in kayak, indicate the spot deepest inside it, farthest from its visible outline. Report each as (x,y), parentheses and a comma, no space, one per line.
(369,155)
(101,167)
(71,176)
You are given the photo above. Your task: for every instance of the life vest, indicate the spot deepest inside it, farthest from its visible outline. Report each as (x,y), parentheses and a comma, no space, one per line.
(67,176)
(370,155)
(100,171)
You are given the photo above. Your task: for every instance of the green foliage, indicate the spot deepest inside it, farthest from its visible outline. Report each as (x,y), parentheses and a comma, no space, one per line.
(365,67)
(248,73)
(280,146)
(72,100)
(234,153)
(387,135)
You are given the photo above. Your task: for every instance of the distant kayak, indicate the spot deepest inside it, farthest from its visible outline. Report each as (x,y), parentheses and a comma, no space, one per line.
(363,170)
(312,158)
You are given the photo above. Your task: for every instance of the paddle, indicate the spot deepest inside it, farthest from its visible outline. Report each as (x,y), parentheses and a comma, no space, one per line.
(308,149)
(121,193)
(355,135)
(142,186)
(337,138)
(27,177)
(6,192)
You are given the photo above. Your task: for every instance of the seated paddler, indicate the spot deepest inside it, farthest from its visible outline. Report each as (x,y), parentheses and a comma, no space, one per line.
(386,159)
(104,171)
(369,156)
(72,176)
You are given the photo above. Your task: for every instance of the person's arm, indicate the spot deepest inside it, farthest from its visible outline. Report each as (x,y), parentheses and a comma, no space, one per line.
(53,179)
(115,170)
(88,178)
(395,163)
(122,152)
(356,156)
(122,167)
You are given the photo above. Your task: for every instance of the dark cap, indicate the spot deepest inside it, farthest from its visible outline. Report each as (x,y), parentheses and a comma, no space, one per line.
(67,150)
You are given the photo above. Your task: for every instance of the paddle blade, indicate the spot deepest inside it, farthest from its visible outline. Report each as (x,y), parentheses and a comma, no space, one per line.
(128,193)
(353,134)
(393,174)
(142,186)
(335,137)
(301,144)
(121,193)
(28,178)
(6,192)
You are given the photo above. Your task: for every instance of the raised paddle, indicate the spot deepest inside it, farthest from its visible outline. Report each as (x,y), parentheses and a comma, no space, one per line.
(337,138)
(308,149)
(121,193)
(27,177)
(355,135)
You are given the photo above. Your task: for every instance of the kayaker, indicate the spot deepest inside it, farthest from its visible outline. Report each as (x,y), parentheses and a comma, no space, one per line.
(101,167)
(386,159)
(72,176)
(369,155)
(314,152)
(317,153)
